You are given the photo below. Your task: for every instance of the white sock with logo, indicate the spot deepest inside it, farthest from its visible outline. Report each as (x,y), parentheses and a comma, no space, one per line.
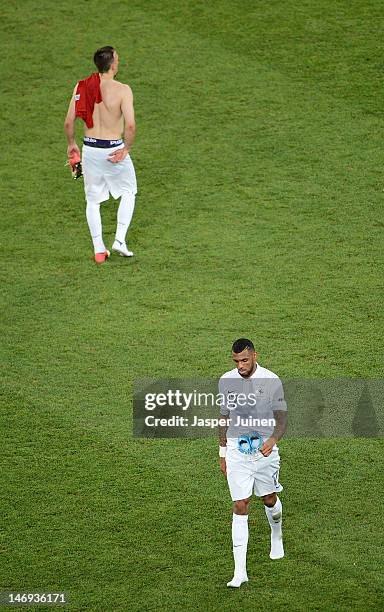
(124,215)
(240,544)
(275,519)
(94,224)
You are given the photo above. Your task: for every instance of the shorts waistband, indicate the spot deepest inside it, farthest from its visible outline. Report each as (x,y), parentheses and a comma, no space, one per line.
(101,144)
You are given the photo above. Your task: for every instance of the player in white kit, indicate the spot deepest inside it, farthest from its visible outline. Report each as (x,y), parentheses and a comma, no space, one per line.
(106,107)
(256,417)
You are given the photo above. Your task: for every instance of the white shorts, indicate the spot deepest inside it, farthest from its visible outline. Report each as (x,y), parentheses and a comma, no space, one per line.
(102,177)
(247,474)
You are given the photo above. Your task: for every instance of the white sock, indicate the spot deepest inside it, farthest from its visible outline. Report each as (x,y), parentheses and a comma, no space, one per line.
(94,224)
(275,519)
(240,544)
(124,215)
(275,515)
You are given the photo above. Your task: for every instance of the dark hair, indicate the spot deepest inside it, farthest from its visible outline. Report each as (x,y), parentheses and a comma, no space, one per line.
(241,344)
(103,58)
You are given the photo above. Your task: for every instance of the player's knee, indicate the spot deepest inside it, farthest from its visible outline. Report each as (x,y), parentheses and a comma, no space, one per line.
(270,500)
(128,193)
(92,204)
(241,506)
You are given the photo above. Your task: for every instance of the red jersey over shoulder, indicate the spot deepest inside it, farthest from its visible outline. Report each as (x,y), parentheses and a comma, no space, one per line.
(88,94)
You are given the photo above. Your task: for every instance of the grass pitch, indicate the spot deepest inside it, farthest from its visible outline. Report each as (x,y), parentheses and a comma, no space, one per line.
(259,160)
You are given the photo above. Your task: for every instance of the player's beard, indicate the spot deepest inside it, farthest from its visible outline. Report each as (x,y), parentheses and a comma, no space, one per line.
(248,373)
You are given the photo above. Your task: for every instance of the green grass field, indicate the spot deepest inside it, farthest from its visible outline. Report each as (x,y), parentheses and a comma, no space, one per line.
(259,159)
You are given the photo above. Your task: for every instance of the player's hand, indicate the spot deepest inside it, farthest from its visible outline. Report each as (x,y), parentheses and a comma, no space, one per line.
(118,156)
(73,151)
(223,466)
(74,161)
(268,445)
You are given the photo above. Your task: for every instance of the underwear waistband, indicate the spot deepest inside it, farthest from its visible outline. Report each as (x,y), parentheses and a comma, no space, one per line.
(101,144)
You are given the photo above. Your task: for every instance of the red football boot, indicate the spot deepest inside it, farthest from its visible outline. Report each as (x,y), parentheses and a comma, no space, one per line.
(76,167)
(101,257)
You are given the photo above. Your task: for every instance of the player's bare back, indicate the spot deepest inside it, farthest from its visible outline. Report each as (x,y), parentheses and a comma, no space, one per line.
(108,120)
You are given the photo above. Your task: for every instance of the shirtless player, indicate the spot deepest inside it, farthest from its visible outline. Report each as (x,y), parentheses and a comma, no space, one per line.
(106,106)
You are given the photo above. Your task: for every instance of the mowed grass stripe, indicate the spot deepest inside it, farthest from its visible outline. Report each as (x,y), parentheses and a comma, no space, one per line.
(193,238)
(135,527)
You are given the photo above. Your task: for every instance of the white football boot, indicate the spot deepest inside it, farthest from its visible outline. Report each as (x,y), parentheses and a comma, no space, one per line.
(237,581)
(121,248)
